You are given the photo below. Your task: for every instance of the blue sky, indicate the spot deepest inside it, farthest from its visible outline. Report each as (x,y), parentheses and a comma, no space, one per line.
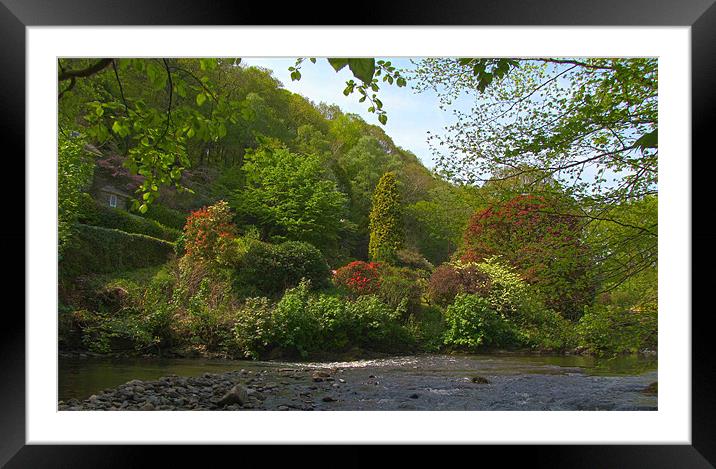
(410,115)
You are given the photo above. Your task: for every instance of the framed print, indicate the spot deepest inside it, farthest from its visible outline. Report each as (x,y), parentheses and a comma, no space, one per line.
(436,222)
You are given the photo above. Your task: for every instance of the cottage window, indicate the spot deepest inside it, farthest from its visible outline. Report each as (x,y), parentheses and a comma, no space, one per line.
(112,200)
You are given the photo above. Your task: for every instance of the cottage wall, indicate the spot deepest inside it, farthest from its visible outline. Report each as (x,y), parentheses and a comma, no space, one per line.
(103,199)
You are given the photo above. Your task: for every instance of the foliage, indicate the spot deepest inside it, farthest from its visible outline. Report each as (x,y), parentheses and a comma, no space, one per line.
(206,319)
(614,329)
(288,195)
(589,124)
(386,224)
(411,259)
(362,164)
(438,220)
(127,316)
(166,216)
(74,173)
(448,280)
(626,245)
(303,323)
(253,333)
(367,70)
(472,323)
(157,118)
(376,326)
(544,329)
(296,329)
(102,250)
(427,327)
(398,285)
(569,117)
(208,232)
(542,240)
(269,269)
(624,320)
(107,217)
(359,278)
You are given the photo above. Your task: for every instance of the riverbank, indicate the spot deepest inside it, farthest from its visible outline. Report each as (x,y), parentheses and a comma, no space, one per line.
(437,382)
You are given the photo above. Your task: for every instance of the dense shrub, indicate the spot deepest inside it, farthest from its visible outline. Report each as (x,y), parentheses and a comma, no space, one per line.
(359,278)
(542,240)
(104,250)
(386,220)
(128,314)
(108,217)
(296,329)
(166,216)
(544,329)
(208,232)
(269,269)
(303,323)
(253,332)
(427,327)
(411,259)
(401,284)
(448,280)
(291,197)
(207,318)
(614,329)
(376,326)
(490,279)
(472,322)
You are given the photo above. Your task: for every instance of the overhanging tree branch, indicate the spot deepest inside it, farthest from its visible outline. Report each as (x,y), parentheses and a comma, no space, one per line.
(84,72)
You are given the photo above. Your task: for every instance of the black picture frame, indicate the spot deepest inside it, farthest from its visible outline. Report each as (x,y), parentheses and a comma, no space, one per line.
(16,15)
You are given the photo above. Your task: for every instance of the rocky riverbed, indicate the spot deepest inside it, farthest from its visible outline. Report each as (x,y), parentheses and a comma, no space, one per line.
(404,383)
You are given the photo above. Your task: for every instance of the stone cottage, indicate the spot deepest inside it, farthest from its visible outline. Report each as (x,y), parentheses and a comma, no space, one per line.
(110,196)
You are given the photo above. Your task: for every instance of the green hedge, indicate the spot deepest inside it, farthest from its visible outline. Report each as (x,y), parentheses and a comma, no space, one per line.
(102,250)
(166,216)
(107,217)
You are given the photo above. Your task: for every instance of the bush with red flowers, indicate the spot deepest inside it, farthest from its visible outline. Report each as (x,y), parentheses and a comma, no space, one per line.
(208,231)
(359,278)
(542,239)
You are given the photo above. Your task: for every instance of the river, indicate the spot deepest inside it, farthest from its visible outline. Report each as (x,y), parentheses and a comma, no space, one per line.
(422,382)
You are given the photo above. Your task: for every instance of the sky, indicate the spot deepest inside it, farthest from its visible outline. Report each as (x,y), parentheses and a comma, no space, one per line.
(410,114)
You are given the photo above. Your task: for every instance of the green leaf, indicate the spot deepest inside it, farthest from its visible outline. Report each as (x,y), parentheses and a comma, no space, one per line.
(649,140)
(337,64)
(143,208)
(383,118)
(362,69)
(200,99)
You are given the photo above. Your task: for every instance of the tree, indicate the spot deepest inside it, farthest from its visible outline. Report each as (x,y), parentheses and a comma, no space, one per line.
(179,104)
(539,238)
(74,173)
(386,220)
(156,125)
(591,123)
(290,197)
(366,70)
(438,221)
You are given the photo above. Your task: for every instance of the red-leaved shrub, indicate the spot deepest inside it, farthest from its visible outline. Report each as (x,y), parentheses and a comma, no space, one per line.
(448,280)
